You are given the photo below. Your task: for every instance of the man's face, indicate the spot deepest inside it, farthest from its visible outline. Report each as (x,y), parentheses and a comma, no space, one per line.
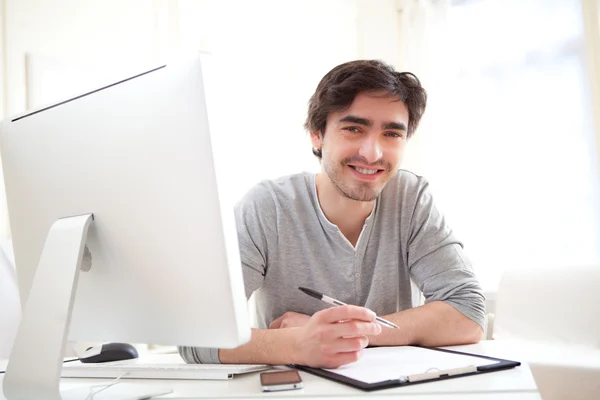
(363,146)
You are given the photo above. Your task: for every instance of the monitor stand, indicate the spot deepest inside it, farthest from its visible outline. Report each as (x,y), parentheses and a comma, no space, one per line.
(35,364)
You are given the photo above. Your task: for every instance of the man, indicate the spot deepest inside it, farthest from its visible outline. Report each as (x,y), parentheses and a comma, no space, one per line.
(357,231)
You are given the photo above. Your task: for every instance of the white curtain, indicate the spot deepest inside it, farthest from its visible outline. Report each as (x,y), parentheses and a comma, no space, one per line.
(591,24)
(508,140)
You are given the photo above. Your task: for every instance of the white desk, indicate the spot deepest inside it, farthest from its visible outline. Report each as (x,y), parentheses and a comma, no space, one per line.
(516,383)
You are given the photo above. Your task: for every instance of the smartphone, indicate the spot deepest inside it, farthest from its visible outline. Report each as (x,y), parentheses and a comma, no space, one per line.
(280,380)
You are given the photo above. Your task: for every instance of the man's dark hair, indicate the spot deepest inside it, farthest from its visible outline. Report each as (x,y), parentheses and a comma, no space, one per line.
(338,89)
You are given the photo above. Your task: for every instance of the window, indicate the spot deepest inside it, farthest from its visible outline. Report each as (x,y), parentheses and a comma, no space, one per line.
(514,163)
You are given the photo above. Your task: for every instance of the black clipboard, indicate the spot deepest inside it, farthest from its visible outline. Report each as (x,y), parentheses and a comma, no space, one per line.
(497,364)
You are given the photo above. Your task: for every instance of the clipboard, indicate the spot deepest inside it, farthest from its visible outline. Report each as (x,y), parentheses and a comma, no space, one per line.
(414,365)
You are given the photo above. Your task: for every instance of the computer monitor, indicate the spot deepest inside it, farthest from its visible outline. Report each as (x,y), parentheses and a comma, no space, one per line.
(121,183)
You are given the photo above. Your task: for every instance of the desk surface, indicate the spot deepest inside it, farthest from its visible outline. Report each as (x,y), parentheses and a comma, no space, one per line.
(512,384)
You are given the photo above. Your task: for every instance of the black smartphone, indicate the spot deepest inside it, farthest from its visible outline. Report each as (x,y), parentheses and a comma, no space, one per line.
(280,380)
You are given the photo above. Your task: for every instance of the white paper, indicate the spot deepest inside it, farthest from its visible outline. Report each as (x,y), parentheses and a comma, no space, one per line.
(388,363)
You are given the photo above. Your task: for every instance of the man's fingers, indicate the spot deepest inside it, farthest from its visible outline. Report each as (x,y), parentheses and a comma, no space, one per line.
(276,324)
(340,359)
(346,345)
(357,328)
(349,329)
(335,314)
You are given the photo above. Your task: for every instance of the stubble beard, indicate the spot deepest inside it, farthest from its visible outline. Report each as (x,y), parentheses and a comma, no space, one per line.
(365,191)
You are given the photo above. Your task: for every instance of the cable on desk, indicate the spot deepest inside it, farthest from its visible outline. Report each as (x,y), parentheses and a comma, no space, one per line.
(103,386)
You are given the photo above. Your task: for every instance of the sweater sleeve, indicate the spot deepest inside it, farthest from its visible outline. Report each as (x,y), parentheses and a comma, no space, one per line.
(438,263)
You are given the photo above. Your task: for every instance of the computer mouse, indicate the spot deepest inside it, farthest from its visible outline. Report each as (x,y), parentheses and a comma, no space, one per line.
(113,352)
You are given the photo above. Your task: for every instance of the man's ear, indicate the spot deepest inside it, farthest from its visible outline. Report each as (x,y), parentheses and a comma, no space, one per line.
(317,139)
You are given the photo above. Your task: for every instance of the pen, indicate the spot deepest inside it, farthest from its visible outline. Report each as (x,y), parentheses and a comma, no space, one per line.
(334,302)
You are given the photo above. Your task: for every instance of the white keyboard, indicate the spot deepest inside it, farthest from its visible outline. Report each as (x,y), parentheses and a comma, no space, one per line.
(139,370)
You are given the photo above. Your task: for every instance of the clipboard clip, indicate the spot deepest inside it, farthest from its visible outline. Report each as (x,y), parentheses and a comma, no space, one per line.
(438,374)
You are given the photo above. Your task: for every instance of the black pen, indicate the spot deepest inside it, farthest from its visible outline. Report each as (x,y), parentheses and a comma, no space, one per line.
(334,302)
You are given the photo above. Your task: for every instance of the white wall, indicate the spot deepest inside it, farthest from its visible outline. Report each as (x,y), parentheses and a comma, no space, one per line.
(71,29)
(87,32)
(4,231)
(275,52)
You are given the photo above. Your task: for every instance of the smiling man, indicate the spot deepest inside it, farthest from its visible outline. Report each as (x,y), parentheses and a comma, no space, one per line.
(358,231)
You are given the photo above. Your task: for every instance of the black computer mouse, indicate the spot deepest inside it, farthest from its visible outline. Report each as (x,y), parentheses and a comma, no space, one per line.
(113,352)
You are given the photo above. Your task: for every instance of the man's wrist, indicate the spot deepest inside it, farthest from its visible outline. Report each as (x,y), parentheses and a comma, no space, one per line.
(395,337)
(267,346)
(293,344)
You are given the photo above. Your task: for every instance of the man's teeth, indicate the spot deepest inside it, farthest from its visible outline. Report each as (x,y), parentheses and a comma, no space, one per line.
(366,171)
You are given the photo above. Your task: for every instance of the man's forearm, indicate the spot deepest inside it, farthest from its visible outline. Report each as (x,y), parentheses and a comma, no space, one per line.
(266,346)
(433,324)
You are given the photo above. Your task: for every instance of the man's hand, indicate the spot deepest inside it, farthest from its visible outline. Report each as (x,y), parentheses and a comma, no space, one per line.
(335,336)
(290,320)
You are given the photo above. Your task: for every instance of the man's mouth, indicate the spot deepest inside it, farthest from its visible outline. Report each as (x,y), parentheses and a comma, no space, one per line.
(366,171)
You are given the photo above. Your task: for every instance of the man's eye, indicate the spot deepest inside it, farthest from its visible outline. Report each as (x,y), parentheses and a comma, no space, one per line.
(353,129)
(394,134)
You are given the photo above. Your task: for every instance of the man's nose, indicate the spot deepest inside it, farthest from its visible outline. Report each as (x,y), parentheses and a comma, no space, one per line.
(370,149)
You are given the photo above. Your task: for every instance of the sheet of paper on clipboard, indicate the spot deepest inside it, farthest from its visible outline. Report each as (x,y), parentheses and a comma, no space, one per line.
(387,363)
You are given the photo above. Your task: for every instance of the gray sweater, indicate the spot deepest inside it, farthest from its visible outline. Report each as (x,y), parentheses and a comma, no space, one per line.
(286,241)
